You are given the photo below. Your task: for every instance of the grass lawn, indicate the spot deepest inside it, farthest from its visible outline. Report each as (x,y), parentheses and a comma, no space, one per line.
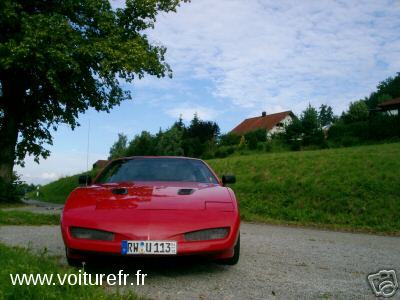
(11,204)
(15,217)
(18,261)
(356,188)
(58,191)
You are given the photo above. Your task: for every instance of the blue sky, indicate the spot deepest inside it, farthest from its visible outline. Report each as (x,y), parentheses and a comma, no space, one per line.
(232,60)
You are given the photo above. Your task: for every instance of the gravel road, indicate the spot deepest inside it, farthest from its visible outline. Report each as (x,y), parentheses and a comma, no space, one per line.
(40,207)
(276,262)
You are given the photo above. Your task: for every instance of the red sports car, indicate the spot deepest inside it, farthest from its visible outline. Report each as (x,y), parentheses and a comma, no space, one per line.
(161,206)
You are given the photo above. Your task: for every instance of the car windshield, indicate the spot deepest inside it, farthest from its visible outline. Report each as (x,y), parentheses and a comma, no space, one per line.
(157,169)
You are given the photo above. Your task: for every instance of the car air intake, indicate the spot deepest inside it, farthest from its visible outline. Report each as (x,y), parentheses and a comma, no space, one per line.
(207,234)
(91,234)
(119,191)
(185,191)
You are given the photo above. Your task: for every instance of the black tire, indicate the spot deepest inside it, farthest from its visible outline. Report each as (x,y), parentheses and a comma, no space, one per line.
(73,262)
(235,258)
(76,263)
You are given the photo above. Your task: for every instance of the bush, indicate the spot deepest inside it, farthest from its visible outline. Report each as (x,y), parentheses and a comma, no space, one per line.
(295,145)
(8,192)
(254,137)
(268,146)
(376,128)
(229,139)
(382,127)
(224,151)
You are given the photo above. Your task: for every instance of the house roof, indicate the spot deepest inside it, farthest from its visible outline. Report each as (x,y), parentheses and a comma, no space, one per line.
(101,163)
(262,122)
(394,103)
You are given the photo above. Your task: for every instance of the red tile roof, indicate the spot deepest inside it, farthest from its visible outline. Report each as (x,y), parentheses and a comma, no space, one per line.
(390,103)
(101,163)
(262,122)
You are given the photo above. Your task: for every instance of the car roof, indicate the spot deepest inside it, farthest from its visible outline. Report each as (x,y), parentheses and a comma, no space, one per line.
(153,157)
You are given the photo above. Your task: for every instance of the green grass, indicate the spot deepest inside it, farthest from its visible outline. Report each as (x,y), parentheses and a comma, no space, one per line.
(18,261)
(354,188)
(16,217)
(59,190)
(11,204)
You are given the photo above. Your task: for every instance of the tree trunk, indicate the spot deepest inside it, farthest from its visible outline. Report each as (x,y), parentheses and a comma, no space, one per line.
(8,141)
(11,105)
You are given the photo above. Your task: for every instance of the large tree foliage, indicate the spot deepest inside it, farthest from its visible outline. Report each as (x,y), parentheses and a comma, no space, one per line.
(199,139)
(386,90)
(325,115)
(118,149)
(358,111)
(58,58)
(199,136)
(307,130)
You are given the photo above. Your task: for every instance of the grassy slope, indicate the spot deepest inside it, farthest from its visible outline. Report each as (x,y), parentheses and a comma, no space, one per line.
(58,191)
(14,217)
(18,261)
(350,187)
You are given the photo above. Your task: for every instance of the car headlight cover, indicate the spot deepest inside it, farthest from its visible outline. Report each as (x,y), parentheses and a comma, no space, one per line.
(91,234)
(207,234)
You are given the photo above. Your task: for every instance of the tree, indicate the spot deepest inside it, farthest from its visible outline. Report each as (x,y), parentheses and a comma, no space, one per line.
(386,90)
(255,136)
(143,144)
(325,115)
(119,148)
(59,58)
(229,139)
(198,135)
(309,120)
(170,142)
(383,98)
(293,131)
(358,111)
(307,129)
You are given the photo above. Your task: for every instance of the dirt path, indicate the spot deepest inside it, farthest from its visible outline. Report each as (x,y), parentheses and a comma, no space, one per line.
(276,262)
(40,207)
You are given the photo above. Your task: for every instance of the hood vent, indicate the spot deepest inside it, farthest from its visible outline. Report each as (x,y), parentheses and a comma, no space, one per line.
(185,191)
(120,191)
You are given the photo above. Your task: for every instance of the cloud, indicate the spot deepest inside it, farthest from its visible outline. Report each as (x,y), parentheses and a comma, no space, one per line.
(280,53)
(187,112)
(49,176)
(58,165)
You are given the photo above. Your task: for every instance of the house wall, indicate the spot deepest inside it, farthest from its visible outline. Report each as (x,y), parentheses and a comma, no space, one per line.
(276,129)
(393,112)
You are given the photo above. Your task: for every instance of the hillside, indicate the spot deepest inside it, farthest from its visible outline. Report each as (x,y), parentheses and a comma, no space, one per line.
(356,188)
(58,191)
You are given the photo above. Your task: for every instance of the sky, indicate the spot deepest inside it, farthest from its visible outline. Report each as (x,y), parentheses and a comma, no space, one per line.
(234,59)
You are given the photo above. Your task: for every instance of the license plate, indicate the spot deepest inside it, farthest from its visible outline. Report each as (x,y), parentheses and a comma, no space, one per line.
(149,247)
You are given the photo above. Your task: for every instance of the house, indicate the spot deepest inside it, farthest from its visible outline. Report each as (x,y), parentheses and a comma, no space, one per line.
(391,107)
(101,163)
(273,123)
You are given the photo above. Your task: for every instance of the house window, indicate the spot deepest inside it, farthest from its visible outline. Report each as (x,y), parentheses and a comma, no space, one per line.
(280,124)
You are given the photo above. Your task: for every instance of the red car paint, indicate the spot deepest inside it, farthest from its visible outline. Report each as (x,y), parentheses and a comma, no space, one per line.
(152,211)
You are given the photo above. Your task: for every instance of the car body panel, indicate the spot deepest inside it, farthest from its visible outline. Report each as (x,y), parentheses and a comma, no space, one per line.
(152,211)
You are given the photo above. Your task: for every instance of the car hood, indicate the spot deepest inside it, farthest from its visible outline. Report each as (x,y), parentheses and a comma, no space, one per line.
(147,196)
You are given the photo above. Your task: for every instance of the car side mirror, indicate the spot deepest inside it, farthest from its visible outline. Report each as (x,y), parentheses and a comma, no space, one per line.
(85,180)
(228,179)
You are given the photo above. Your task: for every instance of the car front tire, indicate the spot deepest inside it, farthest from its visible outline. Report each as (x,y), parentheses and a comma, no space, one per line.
(73,262)
(235,258)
